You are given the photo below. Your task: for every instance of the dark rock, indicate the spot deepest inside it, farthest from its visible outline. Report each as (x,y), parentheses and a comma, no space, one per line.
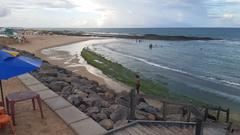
(106,111)
(120,113)
(147,108)
(107,124)
(66,91)
(82,107)
(82,94)
(101,103)
(122,100)
(92,110)
(58,85)
(75,100)
(99,116)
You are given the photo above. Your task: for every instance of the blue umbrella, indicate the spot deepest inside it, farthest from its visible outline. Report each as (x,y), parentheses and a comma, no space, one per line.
(12,64)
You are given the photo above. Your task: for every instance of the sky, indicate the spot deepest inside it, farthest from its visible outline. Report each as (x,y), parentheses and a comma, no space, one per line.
(119,13)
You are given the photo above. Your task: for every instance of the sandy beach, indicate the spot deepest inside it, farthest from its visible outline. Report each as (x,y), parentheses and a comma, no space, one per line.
(37,43)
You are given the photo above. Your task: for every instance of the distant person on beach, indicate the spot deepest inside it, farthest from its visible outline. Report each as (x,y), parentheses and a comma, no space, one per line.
(137,83)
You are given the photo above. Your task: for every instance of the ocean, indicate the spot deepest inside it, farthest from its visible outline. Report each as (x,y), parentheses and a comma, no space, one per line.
(208,71)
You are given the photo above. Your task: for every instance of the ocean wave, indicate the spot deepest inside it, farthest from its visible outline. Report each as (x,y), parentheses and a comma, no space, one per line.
(231,97)
(215,79)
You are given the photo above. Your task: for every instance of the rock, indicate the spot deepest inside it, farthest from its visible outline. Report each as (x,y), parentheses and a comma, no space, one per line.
(120,113)
(147,108)
(109,95)
(151,117)
(122,100)
(82,107)
(66,91)
(106,111)
(97,89)
(82,94)
(75,79)
(100,116)
(75,100)
(92,110)
(47,79)
(58,85)
(101,103)
(107,124)
(140,116)
(92,99)
(62,75)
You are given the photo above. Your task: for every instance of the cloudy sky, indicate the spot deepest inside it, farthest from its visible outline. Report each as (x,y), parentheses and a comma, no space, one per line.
(120,13)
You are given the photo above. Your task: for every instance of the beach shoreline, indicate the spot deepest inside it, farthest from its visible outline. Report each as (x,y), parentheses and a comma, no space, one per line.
(36,44)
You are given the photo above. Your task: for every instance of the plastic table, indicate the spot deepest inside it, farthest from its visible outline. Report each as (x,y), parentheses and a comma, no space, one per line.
(12,98)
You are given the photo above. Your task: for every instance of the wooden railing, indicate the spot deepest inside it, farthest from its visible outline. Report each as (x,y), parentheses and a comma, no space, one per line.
(190,109)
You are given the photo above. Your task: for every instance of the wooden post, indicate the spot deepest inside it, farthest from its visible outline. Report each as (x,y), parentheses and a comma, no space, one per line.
(199,127)
(218,112)
(132,104)
(189,113)
(164,110)
(227,117)
(206,114)
(229,128)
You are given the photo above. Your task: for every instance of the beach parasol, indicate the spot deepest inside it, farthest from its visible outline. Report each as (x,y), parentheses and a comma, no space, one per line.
(12,64)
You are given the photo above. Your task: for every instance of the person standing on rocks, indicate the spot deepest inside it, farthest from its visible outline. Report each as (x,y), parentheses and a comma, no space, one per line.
(137,83)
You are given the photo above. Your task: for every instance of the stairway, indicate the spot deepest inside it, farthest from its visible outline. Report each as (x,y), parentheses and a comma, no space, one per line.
(154,129)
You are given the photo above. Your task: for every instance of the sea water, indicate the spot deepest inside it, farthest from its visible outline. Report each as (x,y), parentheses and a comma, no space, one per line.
(208,71)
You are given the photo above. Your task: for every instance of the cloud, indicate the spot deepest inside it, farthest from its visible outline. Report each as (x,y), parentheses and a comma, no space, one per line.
(39,4)
(117,13)
(4,12)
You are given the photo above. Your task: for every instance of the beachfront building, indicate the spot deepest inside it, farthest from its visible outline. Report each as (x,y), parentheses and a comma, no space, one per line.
(10,35)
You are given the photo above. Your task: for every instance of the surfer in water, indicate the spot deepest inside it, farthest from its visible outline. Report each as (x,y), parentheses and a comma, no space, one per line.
(150,46)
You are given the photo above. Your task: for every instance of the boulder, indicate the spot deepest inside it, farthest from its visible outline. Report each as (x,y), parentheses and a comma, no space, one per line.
(147,108)
(101,103)
(92,110)
(106,111)
(122,100)
(120,113)
(75,100)
(109,95)
(99,116)
(58,85)
(107,124)
(97,89)
(82,94)
(66,91)
(151,117)
(82,107)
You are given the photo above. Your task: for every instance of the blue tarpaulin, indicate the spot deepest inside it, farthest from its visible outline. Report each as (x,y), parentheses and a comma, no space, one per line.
(12,64)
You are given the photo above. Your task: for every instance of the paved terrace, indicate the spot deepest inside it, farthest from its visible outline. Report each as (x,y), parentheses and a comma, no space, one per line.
(70,121)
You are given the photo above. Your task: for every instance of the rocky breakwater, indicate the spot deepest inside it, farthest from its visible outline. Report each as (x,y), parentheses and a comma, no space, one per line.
(102,104)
